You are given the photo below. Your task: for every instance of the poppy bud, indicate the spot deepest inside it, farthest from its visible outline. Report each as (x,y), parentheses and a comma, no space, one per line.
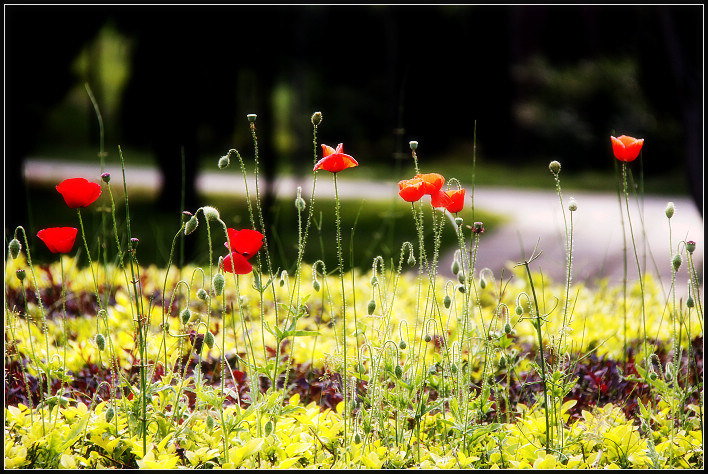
(411,259)
(482,283)
(670,210)
(453,368)
(676,262)
(224,162)
(455,268)
(202,294)
(689,302)
(219,282)
(372,307)
(316,118)
(398,371)
(269,427)
(374,280)
(573,206)
(502,361)
(209,339)
(413,144)
(251,117)
(402,344)
(519,310)
(100,341)
(210,213)
(110,413)
(357,438)
(690,246)
(15,247)
(652,375)
(507,328)
(427,338)
(461,289)
(316,285)
(20,274)
(300,204)
(134,242)
(447,301)
(106,177)
(554,167)
(191,225)
(185,315)
(461,278)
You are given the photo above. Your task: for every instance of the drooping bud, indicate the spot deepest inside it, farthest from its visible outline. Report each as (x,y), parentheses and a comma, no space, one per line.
(398,371)
(427,338)
(482,283)
(224,162)
(110,413)
(315,285)
(210,423)
(202,294)
(670,208)
(316,118)
(209,339)
(519,310)
(100,341)
(502,361)
(507,328)
(455,268)
(461,278)
(447,301)
(676,261)
(191,225)
(453,368)
(554,167)
(210,213)
(15,247)
(374,280)
(371,307)
(402,344)
(411,259)
(357,438)
(461,288)
(219,282)
(185,316)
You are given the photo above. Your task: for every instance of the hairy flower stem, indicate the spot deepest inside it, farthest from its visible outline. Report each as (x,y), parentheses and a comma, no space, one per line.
(344,304)
(542,362)
(624,277)
(569,263)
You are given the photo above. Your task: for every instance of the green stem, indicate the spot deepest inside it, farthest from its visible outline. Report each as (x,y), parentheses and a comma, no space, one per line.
(344,302)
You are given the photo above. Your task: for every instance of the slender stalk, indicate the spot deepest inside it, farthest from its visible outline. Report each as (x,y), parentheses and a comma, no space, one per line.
(344,302)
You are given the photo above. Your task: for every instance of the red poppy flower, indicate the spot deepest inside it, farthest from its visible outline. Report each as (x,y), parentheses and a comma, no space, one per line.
(432,182)
(335,160)
(411,190)
(58,239)
(237,263)
(244,245)
(246,242)
(440,199)
(78,192)
(457,200)
(626,148)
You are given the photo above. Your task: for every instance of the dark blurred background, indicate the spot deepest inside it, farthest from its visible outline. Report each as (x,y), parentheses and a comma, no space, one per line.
(541,83)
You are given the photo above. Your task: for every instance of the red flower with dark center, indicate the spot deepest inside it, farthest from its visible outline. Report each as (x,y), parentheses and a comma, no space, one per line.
(432,182)
(335,161)
(58,239)
(457,200)
(626,148)
(246,242)
(78,192)
(244,245)
(411,190)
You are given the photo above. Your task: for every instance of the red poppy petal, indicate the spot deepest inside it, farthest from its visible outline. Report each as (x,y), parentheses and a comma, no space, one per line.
(78,192)
(336,162)
(58,239)
(626,148)
(439,199)
(433,182)
(411,190)
(237,263)
(327,150)
(457,201)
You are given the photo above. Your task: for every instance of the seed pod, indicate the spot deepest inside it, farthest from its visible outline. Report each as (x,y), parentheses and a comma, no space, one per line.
(670,209)
(20,274)
(413,144)
(110,413)
(219,282)
(398,371)
(316,118)
(372,307)
(690,246)
(458,221)
(106,177)
(209,339)
(15,247)
(100,341)
(185,316)
(689,302)
(251,117)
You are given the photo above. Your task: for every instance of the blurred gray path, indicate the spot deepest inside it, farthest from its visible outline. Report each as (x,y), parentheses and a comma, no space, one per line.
(533,217)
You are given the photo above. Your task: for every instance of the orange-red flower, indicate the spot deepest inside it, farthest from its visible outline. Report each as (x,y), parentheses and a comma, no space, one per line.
(626,148)
(411,190)
(440,198)
(244,245)
(433,182)
(78,192)
(335,160)
(457,200)
(58,239)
